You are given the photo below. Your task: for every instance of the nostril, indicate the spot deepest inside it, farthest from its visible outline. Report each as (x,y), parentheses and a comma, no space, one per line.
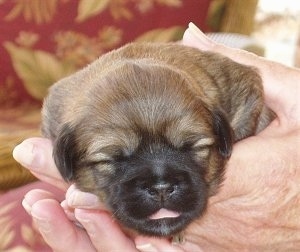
(151,191)
(161,191)
(170,190)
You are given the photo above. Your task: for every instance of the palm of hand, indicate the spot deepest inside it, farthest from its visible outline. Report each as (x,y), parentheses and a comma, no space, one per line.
(259,199)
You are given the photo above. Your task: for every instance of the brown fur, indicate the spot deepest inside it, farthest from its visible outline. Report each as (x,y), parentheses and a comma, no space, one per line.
(168,91)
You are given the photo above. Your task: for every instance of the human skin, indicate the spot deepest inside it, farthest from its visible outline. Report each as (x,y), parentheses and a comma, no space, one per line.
(256,209)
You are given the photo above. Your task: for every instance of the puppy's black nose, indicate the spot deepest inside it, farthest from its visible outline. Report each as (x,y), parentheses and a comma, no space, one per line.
(161,191)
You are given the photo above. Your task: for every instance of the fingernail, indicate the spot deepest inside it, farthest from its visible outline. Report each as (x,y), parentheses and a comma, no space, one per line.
(146,248)
(68,210)
(199,35)
(24,153)
(70,190)
(78,199)
(64,205)
(26,206)
(195,30)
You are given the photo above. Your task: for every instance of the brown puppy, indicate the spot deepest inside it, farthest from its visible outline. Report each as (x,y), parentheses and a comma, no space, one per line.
(148,128)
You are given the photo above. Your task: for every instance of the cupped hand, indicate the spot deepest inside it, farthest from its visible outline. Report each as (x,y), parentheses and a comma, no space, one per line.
(258,206)
(97,231)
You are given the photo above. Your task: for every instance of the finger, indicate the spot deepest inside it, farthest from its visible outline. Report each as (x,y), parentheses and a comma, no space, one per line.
(35,154)
(36,195)
(78,199)
(277,87)
(104,232)
(33,196)
(57,230)
(194,37)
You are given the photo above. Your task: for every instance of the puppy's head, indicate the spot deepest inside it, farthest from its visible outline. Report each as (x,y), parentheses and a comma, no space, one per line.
(148,146)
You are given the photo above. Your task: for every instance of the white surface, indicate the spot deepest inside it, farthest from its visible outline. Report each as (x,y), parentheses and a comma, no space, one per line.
(279,51)
(232,39)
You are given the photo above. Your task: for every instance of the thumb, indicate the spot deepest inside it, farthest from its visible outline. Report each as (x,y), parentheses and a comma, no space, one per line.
(35,154)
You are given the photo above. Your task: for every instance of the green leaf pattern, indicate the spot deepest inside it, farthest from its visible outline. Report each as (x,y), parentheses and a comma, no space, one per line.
(90,8)
(38,69)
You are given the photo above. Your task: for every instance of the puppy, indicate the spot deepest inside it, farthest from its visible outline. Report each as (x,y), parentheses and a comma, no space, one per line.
(148,129)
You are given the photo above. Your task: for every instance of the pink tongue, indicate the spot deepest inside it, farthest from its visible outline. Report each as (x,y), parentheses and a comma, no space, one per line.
(164,213)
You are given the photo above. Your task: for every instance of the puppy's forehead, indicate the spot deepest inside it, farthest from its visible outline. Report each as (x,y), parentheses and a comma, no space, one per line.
(155,99)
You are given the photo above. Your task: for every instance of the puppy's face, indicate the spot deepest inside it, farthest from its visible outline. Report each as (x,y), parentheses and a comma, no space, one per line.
(150,148)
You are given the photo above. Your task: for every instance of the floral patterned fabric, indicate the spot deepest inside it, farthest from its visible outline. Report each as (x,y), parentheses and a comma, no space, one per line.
(42,41)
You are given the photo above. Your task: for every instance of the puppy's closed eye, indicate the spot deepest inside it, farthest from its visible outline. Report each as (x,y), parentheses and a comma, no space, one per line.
(204,142)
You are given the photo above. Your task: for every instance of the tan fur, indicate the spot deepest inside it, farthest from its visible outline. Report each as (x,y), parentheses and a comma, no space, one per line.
(176,96)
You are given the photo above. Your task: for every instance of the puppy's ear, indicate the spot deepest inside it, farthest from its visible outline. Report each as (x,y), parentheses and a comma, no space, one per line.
(64,152)
(224,133)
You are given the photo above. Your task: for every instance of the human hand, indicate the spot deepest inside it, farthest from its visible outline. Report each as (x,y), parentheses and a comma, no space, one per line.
(35,154)
(257,207)
(96,232)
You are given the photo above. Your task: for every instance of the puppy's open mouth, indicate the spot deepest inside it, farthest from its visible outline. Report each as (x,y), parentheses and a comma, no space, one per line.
(164,213)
